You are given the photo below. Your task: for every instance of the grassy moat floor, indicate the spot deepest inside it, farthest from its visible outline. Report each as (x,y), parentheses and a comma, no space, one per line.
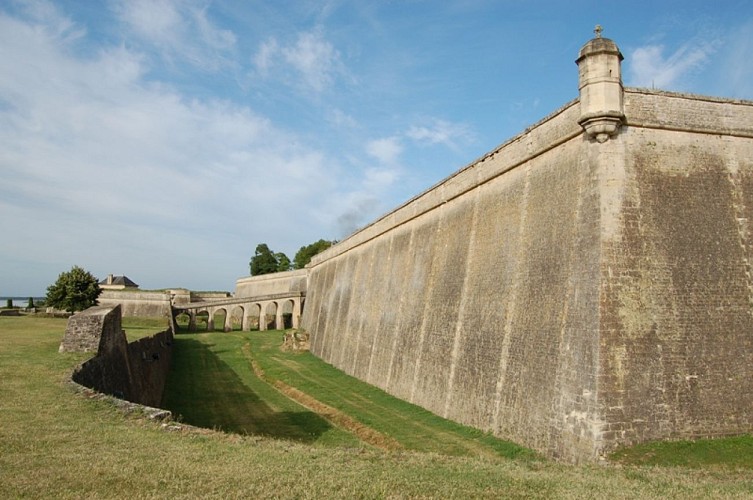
(55,443)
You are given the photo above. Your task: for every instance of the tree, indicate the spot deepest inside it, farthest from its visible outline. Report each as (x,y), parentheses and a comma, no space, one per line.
(283,262)
(263,261)
(73,291)
(304,254)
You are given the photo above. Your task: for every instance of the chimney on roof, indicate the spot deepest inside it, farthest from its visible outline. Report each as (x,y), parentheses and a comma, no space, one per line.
(109,279)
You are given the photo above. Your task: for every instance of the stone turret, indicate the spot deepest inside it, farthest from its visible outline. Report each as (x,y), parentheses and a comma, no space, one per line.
(600,85)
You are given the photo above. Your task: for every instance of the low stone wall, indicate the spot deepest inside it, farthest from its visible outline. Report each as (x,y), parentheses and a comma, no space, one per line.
(138,303)
(271,284)
(136,372)
(86,329)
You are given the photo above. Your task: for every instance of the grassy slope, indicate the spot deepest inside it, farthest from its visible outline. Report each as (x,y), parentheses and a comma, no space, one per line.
(137,328)
(211,385)
(413,427)
(54,443)
(730,452)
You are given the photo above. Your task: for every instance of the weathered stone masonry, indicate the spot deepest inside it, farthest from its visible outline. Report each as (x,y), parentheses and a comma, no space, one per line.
(136,372)
(585,285)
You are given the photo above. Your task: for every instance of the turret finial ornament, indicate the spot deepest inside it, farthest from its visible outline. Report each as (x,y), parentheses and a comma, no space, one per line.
(597,30)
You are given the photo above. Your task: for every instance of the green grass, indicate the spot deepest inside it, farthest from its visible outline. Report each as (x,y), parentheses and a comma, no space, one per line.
(55,443)
(413,427)
(212,385)
(727,452)
(137,328)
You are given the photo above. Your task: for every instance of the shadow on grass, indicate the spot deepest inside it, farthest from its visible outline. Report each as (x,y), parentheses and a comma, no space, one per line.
(207,392)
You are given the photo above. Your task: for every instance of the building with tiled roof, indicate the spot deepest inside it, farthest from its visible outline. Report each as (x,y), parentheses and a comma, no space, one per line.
(117,283)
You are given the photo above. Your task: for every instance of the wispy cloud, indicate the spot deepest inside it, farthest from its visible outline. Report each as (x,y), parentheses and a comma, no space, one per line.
(178,30)
(97,157)
(442,132)
(736,67)
(650,67)
(311,62)
(386,150)
(45,15)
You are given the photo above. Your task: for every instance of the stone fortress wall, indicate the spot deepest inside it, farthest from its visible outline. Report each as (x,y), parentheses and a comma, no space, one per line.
(135,303)
(272,284)
(135,371)
(585,285)
(138,302)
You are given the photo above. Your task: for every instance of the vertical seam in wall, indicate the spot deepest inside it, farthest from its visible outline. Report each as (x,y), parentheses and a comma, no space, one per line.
(743,224)
(506,331)
(347,331)
(401,311)
(314,326)
(464,292)
(362,321)
(332,296)
(557,411)
(426,309)
(335,295)
(321,321)
(379,322)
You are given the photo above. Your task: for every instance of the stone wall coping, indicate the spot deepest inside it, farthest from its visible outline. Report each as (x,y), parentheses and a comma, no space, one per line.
(688,95)
(719,116)
(135,295)
(542,140)
(96,311)
(272,276)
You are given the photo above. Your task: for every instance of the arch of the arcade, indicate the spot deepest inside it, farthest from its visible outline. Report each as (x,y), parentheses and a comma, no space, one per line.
(271,314)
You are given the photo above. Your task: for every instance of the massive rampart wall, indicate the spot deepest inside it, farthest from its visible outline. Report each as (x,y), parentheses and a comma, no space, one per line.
(478,299)
(570,294)
(676,343)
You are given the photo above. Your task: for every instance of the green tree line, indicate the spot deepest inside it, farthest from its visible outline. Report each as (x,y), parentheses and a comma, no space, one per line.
(265,261)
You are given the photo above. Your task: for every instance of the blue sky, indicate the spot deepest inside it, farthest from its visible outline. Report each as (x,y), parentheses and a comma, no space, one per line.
(165,139)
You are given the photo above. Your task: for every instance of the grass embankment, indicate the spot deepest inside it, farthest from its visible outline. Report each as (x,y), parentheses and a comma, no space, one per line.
(213,384)
(54,443)
(411,426)
(137,328)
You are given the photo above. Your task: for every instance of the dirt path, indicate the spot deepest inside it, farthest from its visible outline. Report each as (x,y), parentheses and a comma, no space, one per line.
(334,416)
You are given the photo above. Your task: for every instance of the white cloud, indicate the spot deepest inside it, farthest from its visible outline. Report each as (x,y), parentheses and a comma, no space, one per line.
(117,171)
(340,119)
(314,58)
(265,57)
(736,72)
(387,150)
(440,132)
(177,30)
(649,67)
(47,16)
(311,62)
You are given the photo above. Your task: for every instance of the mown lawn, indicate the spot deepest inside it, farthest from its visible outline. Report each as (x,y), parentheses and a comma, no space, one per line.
(55,443)
(137,328)
(211,385)
(411,426)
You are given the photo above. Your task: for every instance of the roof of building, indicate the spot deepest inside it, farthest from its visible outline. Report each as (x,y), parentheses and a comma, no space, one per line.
(119,280)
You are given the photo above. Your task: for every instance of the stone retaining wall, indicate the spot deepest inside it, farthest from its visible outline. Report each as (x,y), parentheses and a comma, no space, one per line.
(136,372)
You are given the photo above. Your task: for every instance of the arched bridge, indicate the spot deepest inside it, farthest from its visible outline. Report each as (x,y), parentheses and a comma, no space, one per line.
(278,311)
